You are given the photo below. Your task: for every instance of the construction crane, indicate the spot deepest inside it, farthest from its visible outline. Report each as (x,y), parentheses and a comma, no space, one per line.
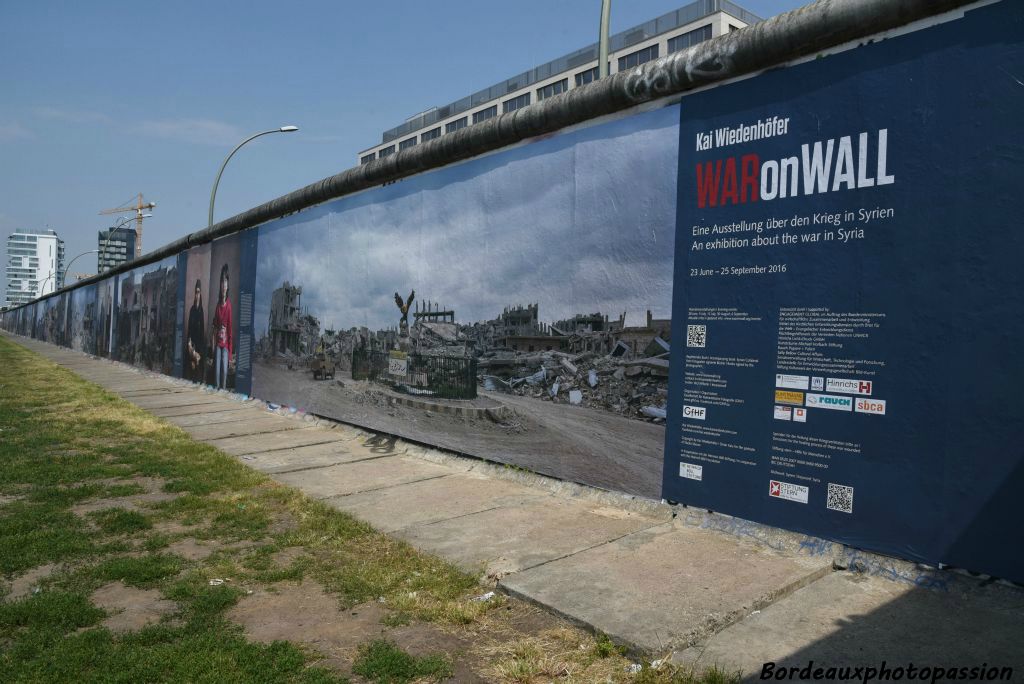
(138,208)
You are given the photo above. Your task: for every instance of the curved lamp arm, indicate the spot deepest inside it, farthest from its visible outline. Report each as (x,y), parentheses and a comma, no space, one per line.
(213,193)
(68,267)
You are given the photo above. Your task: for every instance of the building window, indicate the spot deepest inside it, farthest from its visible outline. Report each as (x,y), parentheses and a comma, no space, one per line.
(368,158)
(456,125)
(485,114)
(407,143)
(431,134)
(681,42)
(515,103)
(585,77)
(386,151)
(639,57)
(556,88)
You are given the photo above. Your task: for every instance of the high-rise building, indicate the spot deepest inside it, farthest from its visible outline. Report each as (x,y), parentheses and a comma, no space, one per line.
(660,37)
(35,265)
(116,246)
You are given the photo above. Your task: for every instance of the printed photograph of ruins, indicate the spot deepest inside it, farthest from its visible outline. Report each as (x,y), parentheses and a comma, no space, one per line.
(146,315)
(529,328)
(82,322)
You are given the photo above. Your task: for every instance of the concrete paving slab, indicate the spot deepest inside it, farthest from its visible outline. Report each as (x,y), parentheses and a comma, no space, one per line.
(360,476)
(217,418)
(666,587)
(849,619)
(256,426)
(241,446)
(138,388)
(430,501)
(107,381)
(305,458)
(172,411)
(119,386)
(190,398)
(109,372)
(153,391)
(131,392)
(514,538)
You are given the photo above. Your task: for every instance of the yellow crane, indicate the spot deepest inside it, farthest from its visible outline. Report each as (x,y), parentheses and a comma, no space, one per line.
(138,208)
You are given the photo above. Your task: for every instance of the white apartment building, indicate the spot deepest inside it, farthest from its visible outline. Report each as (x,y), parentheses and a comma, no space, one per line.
(671,32)
(35,265)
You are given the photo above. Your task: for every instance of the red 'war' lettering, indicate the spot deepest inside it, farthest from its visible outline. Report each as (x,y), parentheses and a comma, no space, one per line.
(729,190)
(707,183)
(751,171)
(716,184)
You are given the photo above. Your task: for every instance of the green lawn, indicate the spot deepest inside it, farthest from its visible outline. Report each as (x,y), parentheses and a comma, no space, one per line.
(102,494)
(64,441)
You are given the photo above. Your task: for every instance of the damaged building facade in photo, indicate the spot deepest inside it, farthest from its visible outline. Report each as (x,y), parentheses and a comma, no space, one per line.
(420,290)
(284,325)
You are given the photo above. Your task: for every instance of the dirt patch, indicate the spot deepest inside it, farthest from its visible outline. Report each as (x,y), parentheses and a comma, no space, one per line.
(132,608)
(9,498)
(174,527)
(134,502)
(192,549)
(285,557)
(243,545)
(523,618)
(423,639)
(304,612)
(22,586)
(283,523)
(150,484)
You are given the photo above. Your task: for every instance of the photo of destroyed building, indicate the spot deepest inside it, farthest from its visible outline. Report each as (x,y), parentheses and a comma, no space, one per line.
(103,328)
(527,326)
(81,320)
(146,315)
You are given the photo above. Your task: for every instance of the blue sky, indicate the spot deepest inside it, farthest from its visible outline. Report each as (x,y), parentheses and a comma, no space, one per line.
(102,100)
(493,232)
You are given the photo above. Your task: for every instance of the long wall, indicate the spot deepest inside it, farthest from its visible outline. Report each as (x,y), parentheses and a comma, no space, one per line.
(790,297)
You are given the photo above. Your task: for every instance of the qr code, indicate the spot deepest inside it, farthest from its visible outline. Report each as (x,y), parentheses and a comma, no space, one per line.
(696,335)
(840,498)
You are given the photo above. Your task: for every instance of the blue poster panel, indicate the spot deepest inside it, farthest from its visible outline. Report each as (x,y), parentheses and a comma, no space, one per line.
(848,297)
(214,340)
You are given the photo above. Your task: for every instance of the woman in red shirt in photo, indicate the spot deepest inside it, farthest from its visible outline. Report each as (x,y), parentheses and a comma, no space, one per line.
(222,333)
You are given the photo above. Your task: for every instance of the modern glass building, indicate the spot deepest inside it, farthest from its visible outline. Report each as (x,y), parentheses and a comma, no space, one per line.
(116,246)
(660,37)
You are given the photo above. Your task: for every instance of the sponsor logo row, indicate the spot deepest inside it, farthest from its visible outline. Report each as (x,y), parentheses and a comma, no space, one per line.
(840,497)
(830,401)
(815,384)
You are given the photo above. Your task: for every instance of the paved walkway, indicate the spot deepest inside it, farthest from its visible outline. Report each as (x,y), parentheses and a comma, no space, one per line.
(723,591)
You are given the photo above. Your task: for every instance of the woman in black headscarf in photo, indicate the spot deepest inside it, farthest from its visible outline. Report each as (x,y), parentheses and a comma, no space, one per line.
(195,338)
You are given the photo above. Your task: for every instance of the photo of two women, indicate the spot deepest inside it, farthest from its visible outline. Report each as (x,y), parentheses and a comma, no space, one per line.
(211,300)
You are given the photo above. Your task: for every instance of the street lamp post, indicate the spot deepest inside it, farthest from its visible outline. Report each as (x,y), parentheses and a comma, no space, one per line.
(602,41)
(213,193)
(42,286)
(68,267)
(110,234)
